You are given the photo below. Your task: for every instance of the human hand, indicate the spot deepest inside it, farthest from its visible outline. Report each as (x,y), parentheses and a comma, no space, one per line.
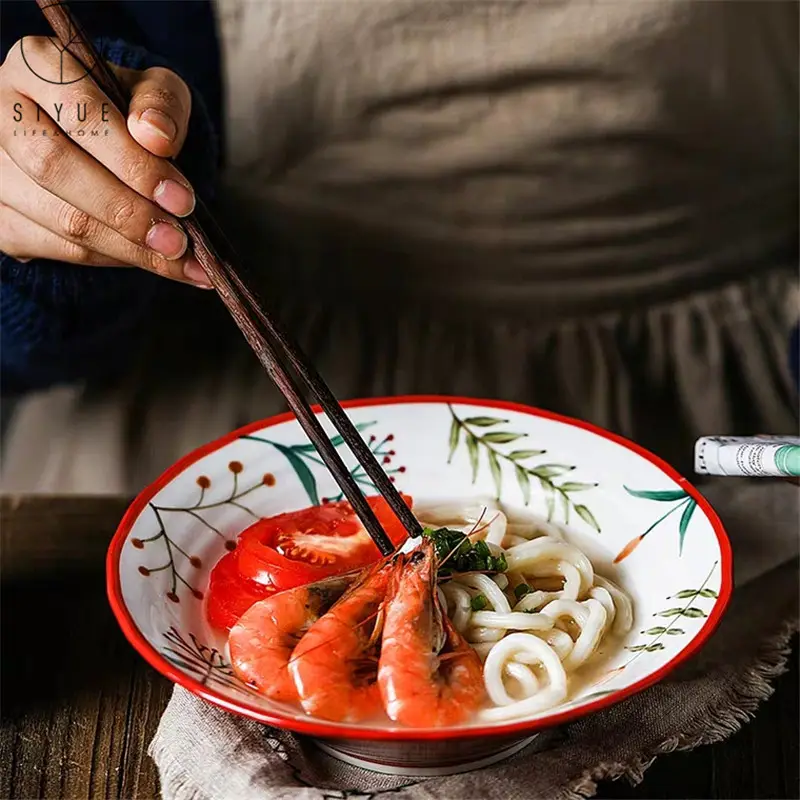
(80,182)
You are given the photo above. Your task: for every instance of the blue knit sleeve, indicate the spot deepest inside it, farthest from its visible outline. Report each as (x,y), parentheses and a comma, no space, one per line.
(64,322)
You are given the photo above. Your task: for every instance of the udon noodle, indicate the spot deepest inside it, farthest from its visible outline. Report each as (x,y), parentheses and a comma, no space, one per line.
(537,623)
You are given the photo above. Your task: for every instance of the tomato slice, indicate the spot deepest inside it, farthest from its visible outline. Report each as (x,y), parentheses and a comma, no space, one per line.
(229,594)
(304,546)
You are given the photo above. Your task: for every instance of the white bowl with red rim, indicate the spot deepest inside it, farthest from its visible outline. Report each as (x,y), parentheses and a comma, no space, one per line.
(641,523)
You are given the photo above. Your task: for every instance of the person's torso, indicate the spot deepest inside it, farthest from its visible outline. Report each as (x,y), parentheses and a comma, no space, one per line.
(607,147)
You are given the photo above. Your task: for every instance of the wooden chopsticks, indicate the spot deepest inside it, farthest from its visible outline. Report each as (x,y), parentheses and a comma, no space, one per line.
(271,344)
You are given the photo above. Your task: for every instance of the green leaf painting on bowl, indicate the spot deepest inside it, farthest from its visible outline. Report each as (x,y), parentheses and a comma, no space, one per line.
(678,500)
(484,436)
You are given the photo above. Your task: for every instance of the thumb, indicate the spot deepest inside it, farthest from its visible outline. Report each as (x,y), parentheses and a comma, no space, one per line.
(159,110)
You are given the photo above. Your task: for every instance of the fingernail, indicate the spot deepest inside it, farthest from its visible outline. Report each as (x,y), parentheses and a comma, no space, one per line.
(194,272)
(167,240)
(159,123)
(174,197)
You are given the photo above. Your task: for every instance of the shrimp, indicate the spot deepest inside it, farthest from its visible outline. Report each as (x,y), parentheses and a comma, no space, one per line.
(263,639)
(427,674)
(335,664)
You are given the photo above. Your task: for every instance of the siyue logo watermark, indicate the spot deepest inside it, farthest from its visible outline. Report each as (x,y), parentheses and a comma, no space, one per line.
(62,115)
(67,69)
(52,62)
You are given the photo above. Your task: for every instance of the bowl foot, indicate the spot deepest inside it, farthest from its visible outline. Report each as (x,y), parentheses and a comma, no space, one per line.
(421,759)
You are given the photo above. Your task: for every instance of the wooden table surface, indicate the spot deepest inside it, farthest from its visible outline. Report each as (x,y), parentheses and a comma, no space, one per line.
(79,706)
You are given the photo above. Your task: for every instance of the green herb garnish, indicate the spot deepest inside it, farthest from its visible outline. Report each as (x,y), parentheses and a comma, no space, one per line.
(478,603)
(456,553)
(520,590)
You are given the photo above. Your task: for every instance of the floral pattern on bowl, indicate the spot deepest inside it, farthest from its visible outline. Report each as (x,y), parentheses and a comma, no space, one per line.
(617,501)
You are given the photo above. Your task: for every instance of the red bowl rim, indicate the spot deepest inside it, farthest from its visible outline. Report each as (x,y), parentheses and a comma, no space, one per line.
(329,730)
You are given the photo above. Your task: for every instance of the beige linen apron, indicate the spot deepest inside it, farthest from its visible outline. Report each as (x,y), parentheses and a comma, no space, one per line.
(588,207)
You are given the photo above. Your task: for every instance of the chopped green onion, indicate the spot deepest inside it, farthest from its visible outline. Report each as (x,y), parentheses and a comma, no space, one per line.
(520,590)
(456,553)
(478,603)
(482,548)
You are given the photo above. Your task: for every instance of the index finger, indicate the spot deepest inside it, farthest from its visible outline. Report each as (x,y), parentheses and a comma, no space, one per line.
(83,111)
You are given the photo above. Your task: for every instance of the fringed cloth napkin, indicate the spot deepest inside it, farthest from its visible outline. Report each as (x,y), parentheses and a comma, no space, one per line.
(203,753)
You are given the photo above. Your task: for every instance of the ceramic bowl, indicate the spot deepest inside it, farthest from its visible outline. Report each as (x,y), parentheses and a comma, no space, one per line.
(642,525)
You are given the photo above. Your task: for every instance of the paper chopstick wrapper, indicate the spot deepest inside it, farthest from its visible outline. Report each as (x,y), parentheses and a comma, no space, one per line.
(750,457)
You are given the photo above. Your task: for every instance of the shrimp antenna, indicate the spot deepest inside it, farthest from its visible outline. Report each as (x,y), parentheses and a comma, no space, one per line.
(475,527)
(483,527)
